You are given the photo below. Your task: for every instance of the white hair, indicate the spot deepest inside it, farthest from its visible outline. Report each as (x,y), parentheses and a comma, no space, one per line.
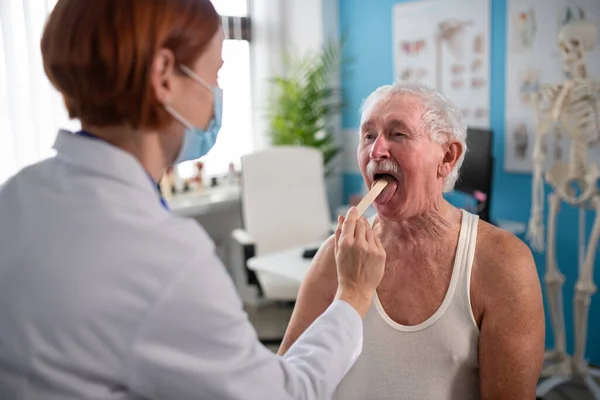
(441,119)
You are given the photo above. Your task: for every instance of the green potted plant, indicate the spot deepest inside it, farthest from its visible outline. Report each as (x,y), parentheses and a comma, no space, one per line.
(305,101)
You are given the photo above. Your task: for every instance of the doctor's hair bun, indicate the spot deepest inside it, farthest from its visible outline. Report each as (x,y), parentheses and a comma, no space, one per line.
(98,54)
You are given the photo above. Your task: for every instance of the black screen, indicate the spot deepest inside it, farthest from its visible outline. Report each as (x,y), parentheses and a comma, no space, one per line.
(476,171)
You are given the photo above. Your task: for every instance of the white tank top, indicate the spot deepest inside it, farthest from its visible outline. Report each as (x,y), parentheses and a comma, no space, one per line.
(436,359)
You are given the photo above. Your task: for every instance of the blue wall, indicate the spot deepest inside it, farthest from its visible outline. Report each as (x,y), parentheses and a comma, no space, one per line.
(369,42)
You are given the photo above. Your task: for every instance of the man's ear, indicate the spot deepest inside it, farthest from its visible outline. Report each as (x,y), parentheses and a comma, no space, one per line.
(452,153)
(162,75)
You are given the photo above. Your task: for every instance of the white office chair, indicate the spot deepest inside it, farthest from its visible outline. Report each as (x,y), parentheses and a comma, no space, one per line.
(284,205)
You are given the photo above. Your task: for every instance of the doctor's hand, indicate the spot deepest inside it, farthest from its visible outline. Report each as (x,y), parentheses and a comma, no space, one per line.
(360,261)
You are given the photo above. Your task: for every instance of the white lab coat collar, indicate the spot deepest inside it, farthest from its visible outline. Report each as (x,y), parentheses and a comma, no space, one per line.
(102,158)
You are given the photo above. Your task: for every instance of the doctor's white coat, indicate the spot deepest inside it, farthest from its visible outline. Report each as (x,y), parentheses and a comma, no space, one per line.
(104,294)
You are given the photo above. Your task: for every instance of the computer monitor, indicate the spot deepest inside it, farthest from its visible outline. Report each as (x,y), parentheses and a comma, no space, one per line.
(477,169)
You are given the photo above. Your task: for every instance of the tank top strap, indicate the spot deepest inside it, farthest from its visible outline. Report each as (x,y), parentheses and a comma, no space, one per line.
(469,224)
(466,251)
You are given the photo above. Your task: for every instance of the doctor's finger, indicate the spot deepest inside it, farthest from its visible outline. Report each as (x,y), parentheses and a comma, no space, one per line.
(338,232)
(360,232)
(370,235)
(349,224)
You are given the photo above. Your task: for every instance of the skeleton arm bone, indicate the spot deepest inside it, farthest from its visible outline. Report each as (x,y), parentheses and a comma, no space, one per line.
(535,231)
(560,99)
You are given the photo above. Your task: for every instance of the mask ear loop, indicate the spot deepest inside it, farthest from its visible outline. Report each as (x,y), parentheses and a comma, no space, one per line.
(192,75)
(178,116)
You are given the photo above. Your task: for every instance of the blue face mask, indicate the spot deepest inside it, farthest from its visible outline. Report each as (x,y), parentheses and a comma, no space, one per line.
(196,141)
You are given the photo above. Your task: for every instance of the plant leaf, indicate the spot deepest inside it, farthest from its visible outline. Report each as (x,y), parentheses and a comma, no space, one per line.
(304,101)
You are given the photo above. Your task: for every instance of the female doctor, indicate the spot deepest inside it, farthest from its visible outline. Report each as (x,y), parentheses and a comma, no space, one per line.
(104,294)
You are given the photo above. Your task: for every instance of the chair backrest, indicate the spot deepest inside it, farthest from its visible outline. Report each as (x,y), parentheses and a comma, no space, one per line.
(284,200)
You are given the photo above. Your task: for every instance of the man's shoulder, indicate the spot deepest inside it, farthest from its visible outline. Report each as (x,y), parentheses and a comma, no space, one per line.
(499,248)
(324,260)
(322,275)
(504,264)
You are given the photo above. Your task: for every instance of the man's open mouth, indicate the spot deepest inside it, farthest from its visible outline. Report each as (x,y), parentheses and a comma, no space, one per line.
(390,189)
(383,175)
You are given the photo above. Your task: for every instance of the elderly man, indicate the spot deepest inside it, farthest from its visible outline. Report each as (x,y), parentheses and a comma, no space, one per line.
(459,312)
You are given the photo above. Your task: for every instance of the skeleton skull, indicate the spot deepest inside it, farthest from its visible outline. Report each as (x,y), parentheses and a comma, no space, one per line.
(575,39)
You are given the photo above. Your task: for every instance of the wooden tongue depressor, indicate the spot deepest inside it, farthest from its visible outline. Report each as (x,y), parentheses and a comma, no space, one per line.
(371,196)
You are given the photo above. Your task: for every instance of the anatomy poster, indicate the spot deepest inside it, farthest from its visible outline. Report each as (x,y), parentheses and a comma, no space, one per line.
(534,58)
(446,45)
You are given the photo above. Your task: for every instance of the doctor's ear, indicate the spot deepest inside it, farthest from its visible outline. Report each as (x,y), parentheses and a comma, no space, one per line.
(452,153)
(163,75)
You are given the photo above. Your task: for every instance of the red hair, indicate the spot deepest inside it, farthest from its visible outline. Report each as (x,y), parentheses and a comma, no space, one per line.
(98,54)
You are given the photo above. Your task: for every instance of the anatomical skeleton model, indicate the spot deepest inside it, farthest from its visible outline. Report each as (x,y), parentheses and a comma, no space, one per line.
(574,106)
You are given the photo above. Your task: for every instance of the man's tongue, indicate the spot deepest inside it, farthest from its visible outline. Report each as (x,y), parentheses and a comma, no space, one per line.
(389,190)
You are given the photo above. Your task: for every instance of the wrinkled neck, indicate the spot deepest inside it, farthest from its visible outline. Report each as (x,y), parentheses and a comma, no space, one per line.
(419,236)
(415,229)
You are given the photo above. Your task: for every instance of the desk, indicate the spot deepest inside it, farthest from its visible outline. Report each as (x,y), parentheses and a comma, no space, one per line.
(514,227)
(193,204)
(218,210)
(288,264)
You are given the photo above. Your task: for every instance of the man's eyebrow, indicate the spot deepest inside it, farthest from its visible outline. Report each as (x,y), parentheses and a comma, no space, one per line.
(367,125)
(398,124)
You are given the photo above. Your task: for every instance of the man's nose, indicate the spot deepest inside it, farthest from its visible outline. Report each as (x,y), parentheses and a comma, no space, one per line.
(380,149)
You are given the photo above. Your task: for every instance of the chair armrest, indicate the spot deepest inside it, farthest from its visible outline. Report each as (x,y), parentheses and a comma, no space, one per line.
(246,249)
(243,237)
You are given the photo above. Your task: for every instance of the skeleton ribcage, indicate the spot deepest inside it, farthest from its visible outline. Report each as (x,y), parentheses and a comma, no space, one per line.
(582,112)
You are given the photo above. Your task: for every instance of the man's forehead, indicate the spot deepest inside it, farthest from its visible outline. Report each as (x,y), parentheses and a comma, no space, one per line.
(397,109)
